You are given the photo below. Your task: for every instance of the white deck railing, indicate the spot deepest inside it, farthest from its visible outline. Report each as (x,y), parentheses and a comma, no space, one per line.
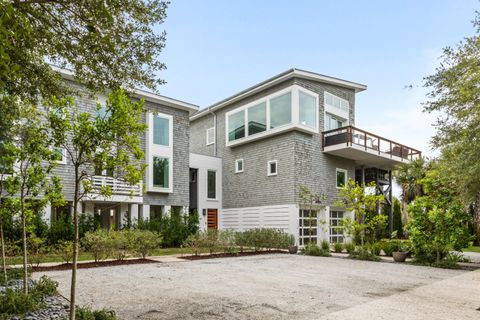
(118,187)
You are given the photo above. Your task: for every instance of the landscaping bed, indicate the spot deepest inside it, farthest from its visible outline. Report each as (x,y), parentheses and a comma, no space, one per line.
(230,255)
(87,265)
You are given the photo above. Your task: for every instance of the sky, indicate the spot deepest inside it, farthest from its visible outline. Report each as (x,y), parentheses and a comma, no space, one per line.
(215,49)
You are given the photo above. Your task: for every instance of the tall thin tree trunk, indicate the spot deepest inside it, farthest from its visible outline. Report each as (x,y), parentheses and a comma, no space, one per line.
(75,246)
(24,239)
(2,238)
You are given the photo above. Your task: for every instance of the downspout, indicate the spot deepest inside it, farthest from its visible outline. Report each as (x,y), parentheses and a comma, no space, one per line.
(214,132)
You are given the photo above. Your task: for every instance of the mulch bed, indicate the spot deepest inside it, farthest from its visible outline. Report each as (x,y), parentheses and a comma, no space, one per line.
(230,255)
(87,265)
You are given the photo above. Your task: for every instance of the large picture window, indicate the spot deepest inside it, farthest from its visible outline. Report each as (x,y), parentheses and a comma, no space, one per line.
(281,110)
(257,118)
(236,126)
(307,110)
(308,227)
(161,131)
(160,172)
(211,184)
(292,107)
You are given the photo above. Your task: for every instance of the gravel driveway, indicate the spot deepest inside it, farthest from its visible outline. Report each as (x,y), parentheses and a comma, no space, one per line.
(278,287)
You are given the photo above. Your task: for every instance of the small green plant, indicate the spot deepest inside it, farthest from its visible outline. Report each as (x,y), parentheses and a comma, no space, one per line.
(325,245)
(363,253)
(349,247)
(17,303)
(144,242)
(45,287)
(98,244)
(86,313)
(338,247)
(375,248)
(312,249)
(65,250)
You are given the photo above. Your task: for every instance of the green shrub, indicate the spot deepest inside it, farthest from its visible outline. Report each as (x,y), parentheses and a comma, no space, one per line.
(227,241)
(98,244)
(325,245)
(61,229)
(13,274)
(362,253)
(311,249)
(387,246)
(36,250)
(144,242)
(88,223)
(338,247)
(45,287)
(349,247)
(119,244)
(17,303)
(194,242)
(85,313)
(65,250)
(375,248)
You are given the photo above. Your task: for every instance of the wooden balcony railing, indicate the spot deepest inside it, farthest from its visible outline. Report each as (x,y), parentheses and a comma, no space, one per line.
(118,186)
(352,136)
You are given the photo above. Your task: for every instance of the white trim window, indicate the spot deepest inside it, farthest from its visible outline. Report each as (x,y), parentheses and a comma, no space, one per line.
(60,155)
(336,102)
(210,136)
(308,227)
(341,176)
(291,108)
(239,166)
(333,122)
(336,228)
(211,184)
(272,168)
(159,153)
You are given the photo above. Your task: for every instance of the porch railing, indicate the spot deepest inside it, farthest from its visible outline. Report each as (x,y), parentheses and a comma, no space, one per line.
(119,187)
(350,136)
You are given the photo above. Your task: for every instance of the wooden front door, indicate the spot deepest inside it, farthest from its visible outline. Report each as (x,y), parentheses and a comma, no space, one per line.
(212,219)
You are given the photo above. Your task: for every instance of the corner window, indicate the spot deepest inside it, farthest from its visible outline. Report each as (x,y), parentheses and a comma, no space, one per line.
(210,136)
(307,105)
(238,165)
(272,168)
(257,118)
(211,184)
(161,130)
(336,102)
(59,155)
(236,126)
(341,178)
(161,172)
(281,110)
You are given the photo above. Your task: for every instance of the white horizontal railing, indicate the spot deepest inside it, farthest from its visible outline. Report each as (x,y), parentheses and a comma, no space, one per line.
(118,186)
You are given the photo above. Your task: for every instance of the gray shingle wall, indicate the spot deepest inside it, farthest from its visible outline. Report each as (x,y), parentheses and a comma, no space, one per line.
(180,195)
(301,160)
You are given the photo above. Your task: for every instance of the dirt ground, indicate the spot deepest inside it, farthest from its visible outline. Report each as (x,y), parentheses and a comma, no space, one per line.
(278,287)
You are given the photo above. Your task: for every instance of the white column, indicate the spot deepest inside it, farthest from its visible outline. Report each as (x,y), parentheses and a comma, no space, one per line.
(123,213)
(134,213)
(47,214)
(89,207)
(145,212)
(325,227)
(166,210)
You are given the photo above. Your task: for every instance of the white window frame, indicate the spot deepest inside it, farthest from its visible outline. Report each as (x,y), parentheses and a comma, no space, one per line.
(156,150)
(216,185)
(64,155)
(208,141)
(338,118)
(340,232)
(334,111)
(293,125)
(269,173)
(236,165)
(346,177)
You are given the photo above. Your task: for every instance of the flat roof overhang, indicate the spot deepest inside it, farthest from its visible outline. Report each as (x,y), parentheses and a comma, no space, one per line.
(367,158)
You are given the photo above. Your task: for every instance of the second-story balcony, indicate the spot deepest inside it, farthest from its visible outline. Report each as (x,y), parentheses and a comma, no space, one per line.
(121,191)
(366,148)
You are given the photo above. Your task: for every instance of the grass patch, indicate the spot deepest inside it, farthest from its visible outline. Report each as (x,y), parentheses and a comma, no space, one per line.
(472,249)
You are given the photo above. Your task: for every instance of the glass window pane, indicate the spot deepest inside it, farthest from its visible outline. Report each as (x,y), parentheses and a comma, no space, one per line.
(160,131)
(160,172)
(236,126)
(328,99)
(58,154)
(308,108)
(281,110)
(211,185)
(257,118)
(340,178)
